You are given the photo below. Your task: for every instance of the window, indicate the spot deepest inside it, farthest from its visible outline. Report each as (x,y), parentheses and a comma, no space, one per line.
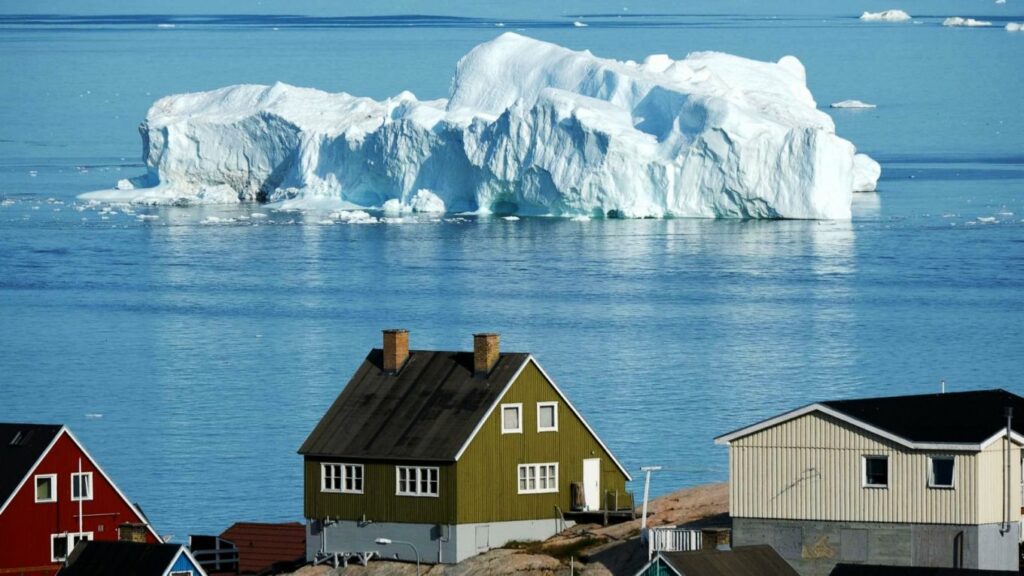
(46,488)
(346,478)
(81,486)
(940,471)
(416,481)
(538,478)
(876,471)
(547,416)
(511,418)
(182,573)
(62,544)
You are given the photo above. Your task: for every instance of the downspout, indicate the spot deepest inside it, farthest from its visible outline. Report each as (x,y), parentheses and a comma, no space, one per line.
(1006,473)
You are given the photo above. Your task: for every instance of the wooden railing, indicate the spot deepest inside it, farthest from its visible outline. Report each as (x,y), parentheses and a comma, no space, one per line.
(672,539)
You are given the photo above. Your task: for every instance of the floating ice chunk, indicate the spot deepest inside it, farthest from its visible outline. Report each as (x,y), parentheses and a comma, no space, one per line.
(885,16)
(217,220)
(966,22)
(7,202)
(144,217)
(987,219)
(427,201)
(580,218)
(851,104)
(93,415)
(1000,1)
(865,173)
(1015,27)
(579,24)
(125,184)
(353,217)
(510,218)
(165,26)
(529,128)
(257,215)
(499,24)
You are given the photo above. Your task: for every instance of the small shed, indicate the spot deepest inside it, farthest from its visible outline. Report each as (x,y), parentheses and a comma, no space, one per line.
(264,546)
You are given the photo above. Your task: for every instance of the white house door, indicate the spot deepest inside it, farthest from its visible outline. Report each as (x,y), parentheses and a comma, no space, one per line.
(592,483)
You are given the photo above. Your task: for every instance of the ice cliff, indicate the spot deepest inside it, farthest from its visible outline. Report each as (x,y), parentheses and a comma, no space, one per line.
(529,128)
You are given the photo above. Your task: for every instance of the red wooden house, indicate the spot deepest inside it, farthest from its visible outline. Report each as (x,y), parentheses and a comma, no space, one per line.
(52,495)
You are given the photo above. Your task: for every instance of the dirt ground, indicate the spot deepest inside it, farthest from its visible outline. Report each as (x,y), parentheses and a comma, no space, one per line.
(585,549)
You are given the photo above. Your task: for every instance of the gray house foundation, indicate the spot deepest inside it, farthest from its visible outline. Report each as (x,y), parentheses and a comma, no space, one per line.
(813,548)
(436,544)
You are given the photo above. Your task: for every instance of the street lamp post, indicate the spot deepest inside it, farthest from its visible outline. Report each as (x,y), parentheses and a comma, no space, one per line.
(387,541)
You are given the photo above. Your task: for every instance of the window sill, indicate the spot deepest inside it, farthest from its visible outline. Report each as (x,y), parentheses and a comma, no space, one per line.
(876,486)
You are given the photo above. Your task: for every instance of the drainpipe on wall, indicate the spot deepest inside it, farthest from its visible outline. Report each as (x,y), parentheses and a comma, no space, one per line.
(1006,473)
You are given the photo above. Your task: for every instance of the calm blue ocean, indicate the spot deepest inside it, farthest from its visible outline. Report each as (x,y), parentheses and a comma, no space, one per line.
(193,359)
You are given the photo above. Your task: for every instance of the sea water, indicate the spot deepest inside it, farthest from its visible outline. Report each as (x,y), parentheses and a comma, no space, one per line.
(192,349)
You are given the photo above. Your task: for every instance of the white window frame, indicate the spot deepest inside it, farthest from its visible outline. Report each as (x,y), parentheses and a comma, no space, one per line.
(68,536)
(554,406)
(519,410)
(182,573)
(931,472)
(864,471)
(53,488)
(343,472)
(415,479)
(537,474)
(92,487)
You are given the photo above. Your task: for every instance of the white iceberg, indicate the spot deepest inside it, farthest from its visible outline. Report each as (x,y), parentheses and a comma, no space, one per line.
(885,16)
(1015,27)
(968,22)
(529,128)
(851,104)
(865,173)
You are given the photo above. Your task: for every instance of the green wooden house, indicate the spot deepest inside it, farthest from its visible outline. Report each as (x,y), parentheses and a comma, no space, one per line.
(453,452)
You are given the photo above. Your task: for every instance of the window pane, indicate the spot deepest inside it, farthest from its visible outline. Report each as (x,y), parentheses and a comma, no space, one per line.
(942,471)
(44,488)
(532,474)
(401,480)
(877,471)
(511,418)
(547,416)
(60,546)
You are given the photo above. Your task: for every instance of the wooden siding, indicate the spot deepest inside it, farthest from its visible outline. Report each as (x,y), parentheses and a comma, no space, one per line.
(990,475)
(488,470)
(378,502)
(810,468)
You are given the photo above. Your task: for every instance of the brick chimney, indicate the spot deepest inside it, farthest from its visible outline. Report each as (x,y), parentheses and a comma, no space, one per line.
(396,349)
(485,353)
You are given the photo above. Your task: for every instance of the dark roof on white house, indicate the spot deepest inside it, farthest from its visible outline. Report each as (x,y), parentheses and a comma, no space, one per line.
(759,560)
(965,419)
(877,570)
(426,411)
(21,446)
(107,558)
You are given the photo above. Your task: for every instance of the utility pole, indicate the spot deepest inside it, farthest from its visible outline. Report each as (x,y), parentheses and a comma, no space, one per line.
(647,488)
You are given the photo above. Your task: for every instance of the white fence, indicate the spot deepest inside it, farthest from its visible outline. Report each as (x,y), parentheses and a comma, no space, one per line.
(672,539)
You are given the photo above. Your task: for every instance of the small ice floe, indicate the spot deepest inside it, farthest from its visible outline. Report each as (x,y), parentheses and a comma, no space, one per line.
(579,24)
(580,218)
(257,215)
(165,25)
(146,217)
(456,220)
(885,16)
(7,202)
(1000,1)
(1004,214)
(216,220)
(987,219)
(957,21)
(510,218)
(499,24)
(851,104)
(93,415)
(33,173)
(950,215)
(1015,27)
(353,217)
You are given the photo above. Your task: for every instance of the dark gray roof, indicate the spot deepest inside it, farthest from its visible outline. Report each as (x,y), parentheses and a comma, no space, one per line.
(760,560)
(967,417)
(107,558)
(21,445)
(870,570)
(426,411)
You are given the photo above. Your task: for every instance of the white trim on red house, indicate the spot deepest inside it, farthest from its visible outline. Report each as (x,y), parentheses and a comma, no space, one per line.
(65,430)
(511,381)
(817,407)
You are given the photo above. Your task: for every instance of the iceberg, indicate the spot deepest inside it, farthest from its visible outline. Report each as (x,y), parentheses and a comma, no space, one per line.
(1015,26)
(851,104)
(529,128)
(865,173)
(968,22)
(885,16)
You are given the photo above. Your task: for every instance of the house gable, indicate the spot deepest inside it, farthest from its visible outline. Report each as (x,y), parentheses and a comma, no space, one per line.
(33,523)
(495,455)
